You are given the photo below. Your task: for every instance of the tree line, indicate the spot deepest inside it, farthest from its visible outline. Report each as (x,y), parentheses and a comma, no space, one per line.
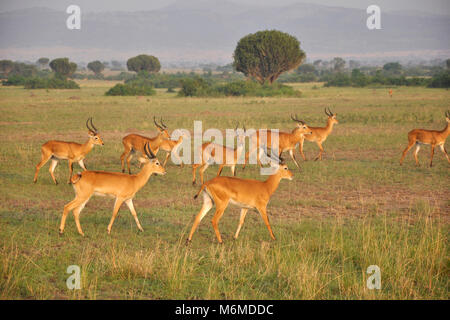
(263,57)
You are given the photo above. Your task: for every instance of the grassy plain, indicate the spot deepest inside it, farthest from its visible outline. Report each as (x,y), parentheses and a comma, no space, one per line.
(356,208)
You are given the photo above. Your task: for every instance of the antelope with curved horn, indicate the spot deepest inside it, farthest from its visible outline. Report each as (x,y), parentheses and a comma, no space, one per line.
(228,157)
(286,141)
(432,137)
(121,186)
(71,151)
(320,134)
(245,193)
(133,143)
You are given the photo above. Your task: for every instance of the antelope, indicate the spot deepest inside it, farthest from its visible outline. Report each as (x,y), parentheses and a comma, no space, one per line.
(121,186)
(431,137)
(170,147)
(319,134)
(245,193)
(135,142)
(286,141)
(71,151)
(228,158)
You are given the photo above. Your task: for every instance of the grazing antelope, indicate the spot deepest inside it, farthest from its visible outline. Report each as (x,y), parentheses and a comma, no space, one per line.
(431,137)
(228,158)
(71,151)
(246,193)
(121,186)
(319,134)
(135,142)
(286,141)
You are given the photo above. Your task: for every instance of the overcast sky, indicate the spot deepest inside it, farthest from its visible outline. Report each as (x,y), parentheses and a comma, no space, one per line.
(433,6)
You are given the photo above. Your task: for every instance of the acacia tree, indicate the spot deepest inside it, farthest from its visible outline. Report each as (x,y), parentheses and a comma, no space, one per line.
(338,64)
(144,62)
(62,67)
(265,55)
(96,66)
(43,62)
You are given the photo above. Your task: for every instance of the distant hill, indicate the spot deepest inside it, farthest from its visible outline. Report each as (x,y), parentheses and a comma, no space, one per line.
(209,30)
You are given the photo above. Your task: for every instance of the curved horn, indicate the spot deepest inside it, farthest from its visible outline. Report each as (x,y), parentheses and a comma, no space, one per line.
(447,114)
(244,128)
(331,113)
(162,123)
(327,113)
(148,151)
(237,125)
(92,125)
(156,124)
(296,119)
(87,124)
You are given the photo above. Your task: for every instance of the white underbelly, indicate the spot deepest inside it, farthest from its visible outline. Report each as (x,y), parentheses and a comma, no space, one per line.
(240,204)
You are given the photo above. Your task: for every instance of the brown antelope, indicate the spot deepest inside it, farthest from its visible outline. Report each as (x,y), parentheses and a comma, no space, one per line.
(133,143)
(71,151)
(170,147)
(246,193)
(286,141)
(319,134)
(431,137)
(121,186)
(227,158)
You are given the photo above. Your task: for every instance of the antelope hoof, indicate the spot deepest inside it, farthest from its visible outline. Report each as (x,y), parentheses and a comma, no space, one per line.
(141,230)
(188,242)
(56,183)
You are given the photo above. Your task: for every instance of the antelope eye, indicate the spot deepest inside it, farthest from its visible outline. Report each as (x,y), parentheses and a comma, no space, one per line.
(285,168)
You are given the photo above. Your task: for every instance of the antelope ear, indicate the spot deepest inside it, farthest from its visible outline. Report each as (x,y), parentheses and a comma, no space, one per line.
(91,133)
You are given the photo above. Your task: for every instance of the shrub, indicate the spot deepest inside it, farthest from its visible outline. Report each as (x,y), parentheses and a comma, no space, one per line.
(193,87)
(14,80)
(198,87)
(130,90)
(51,83)
(440,80)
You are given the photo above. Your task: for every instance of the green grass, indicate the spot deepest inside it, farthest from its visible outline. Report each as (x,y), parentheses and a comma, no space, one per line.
(356,208)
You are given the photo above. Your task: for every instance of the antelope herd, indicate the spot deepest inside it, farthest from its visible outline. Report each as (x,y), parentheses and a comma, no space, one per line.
(219,191)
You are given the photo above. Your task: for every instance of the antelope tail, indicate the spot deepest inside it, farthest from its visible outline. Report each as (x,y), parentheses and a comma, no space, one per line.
(199,191)
(75,178)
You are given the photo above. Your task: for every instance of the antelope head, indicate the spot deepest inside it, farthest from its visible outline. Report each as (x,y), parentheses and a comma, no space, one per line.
(331,116)
(302,128)
(93,133)
(162,128)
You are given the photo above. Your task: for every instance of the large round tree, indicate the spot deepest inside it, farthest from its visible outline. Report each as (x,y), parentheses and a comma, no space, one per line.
(265,55)
(96,66)
(62,67)
(144,62)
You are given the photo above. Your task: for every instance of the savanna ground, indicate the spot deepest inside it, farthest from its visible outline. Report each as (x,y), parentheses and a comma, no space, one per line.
(356,208)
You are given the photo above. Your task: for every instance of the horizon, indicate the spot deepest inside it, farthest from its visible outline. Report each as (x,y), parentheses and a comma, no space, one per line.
(204,47)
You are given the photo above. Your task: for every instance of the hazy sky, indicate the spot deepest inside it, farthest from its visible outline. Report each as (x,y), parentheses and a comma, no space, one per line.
(433,6)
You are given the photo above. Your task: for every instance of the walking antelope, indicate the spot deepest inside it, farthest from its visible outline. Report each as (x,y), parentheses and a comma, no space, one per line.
(431,137)
(246,193)
(170,147)
(71,151)
(319,134)
(227,157)
(121,186)
(135,142)
(286,141)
